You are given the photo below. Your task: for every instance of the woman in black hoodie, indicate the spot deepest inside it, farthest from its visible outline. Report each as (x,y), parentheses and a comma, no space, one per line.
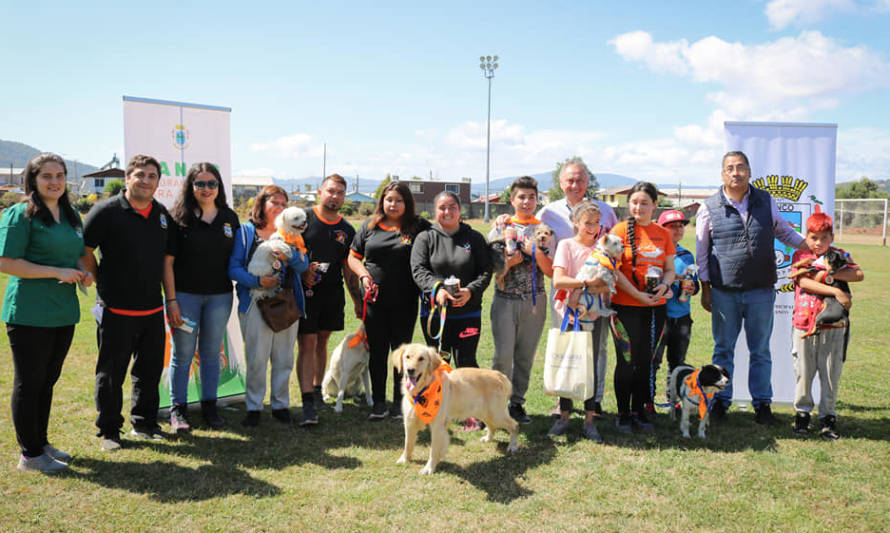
(452,248)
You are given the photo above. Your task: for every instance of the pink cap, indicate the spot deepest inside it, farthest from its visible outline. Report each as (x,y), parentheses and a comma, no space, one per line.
(672,216)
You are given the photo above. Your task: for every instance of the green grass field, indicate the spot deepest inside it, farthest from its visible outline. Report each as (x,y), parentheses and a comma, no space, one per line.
(342,476)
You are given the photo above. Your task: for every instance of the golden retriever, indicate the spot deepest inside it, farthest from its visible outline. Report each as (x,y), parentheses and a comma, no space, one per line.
(466,392)
(347,373)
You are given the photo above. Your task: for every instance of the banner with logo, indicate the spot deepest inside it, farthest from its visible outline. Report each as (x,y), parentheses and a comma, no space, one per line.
(795,163)
(179,135)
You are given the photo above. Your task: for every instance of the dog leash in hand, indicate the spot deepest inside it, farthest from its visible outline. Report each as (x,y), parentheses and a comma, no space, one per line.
(361,335)
(534,281)
(443,311)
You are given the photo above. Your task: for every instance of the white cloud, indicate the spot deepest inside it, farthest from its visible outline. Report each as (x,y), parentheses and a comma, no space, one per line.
(784,13)
(262,171)
(659,57)
(863,152)
(296,146)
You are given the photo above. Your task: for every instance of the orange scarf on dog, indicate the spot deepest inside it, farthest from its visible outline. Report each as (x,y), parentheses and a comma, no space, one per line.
(427,401)
(294,239)
(694,390)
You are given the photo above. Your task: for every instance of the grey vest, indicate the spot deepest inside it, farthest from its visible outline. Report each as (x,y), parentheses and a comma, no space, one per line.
(741,256)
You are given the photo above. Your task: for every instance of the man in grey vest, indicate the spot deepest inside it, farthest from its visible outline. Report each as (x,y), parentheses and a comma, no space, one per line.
(734,245)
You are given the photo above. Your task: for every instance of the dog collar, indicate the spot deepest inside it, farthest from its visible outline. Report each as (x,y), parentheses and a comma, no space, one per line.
(428,401)
(294,239)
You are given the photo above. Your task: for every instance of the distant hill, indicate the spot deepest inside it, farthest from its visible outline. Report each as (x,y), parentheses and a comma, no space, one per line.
(17,154)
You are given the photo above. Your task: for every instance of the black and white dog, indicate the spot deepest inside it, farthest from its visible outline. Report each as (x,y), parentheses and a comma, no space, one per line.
(693,391)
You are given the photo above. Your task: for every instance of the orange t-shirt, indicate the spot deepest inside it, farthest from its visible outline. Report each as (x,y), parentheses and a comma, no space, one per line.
(654,244)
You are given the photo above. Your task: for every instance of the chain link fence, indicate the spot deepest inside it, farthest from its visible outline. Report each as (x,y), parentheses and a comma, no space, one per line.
(861,221)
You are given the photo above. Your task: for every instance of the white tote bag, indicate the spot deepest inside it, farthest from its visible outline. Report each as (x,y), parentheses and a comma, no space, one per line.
(568,365)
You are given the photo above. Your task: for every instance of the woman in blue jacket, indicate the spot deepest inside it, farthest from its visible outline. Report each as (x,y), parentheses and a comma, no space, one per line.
(261,344)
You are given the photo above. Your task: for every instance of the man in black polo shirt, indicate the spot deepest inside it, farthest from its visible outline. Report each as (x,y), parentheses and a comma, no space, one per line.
(327,238)
(133,233)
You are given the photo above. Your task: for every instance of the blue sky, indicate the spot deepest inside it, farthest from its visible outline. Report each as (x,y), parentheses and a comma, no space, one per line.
(636,88)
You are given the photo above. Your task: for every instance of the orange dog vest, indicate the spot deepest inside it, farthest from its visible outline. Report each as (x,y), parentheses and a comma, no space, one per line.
(694,391)
(428,401)
(294,239)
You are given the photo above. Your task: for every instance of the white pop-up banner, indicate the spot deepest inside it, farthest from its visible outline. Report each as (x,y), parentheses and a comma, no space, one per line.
(179,135)
(795,163)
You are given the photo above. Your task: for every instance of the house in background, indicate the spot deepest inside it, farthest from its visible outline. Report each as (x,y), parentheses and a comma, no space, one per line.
(95,183)
(12,176)
(360,198)
(244,187)
(617,196)
(425,191)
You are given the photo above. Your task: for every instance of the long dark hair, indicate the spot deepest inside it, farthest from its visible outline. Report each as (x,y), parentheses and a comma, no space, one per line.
(258,211)
(36,208)
(186,204)
(652,192)
(408,224)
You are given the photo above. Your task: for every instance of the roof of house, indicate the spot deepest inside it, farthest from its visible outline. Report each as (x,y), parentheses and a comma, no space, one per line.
(108,173)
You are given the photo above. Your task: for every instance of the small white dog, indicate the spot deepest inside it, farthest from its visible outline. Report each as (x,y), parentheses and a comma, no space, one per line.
(693,391)
(601,264)
(434,395)
(291,223)
(264,263)
(347,372)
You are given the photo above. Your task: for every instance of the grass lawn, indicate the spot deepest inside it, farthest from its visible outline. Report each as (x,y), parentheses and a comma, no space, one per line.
(342,476)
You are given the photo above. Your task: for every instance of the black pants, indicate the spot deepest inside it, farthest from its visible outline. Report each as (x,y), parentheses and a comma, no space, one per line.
(677,332)
(460,339)
(388,327)
(120,338)
(37,357)
(633,370)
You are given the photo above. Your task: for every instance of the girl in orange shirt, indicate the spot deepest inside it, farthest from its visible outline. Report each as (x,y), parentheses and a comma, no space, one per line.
(644,279)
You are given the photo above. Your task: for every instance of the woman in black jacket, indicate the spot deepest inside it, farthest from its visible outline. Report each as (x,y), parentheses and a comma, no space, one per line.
(452,248)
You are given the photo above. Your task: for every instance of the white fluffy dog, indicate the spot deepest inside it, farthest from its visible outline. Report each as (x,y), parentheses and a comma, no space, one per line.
(442,396)
(291,223)
(693,391)
(347,372)
(264,263)
(601,264)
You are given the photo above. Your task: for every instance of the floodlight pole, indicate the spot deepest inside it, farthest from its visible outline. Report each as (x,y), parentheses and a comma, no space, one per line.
(488,64)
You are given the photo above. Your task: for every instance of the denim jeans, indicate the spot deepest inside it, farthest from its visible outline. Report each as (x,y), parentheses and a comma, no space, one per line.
(211,313)
(729,311)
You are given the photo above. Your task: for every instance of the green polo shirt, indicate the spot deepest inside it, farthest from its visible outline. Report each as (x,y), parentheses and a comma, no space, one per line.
(40,302)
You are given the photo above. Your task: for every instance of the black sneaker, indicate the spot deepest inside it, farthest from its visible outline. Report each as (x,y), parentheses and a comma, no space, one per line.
(395,412)
(252,419)
(211,416)
(148,433)
(802,423)
(641,421)
(718,411)
(378,412)
(623,423)
(320,406)
(281,415)
(764,415)
(828,430)
(517,412)
(309,416)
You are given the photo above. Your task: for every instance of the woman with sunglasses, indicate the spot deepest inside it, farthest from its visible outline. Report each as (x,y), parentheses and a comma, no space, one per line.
(202,303)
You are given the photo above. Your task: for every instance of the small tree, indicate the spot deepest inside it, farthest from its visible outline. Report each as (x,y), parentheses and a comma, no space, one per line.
(383,184)
(114,186)
(555,192)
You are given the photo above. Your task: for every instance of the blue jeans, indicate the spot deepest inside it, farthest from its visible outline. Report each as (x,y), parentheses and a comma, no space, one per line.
(754,308)
(211,312)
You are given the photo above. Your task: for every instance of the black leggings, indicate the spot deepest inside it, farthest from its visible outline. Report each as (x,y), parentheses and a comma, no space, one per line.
(634,354)
(37,356)
(460,338)
(387,329)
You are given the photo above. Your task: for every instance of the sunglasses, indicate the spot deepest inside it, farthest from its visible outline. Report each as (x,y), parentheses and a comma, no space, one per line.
(200,185)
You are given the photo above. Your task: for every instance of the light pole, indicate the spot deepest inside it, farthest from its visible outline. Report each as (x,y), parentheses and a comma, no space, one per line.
(488,64)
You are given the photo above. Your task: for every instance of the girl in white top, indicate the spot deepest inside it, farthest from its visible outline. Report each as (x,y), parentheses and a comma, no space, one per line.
(570,257)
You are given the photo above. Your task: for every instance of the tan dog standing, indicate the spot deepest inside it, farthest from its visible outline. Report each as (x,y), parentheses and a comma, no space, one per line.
(465,393)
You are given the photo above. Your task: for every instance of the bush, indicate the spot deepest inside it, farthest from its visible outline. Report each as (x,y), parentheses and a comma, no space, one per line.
(349,208)
(366,208)
(83,205)
(114,186)
(425,214)
(9,199)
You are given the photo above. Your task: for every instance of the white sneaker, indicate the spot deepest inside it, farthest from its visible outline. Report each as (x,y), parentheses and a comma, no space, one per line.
(42,463)
(56,454)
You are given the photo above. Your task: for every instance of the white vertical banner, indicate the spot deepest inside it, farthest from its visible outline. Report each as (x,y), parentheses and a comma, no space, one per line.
(179,135)
(795,163)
